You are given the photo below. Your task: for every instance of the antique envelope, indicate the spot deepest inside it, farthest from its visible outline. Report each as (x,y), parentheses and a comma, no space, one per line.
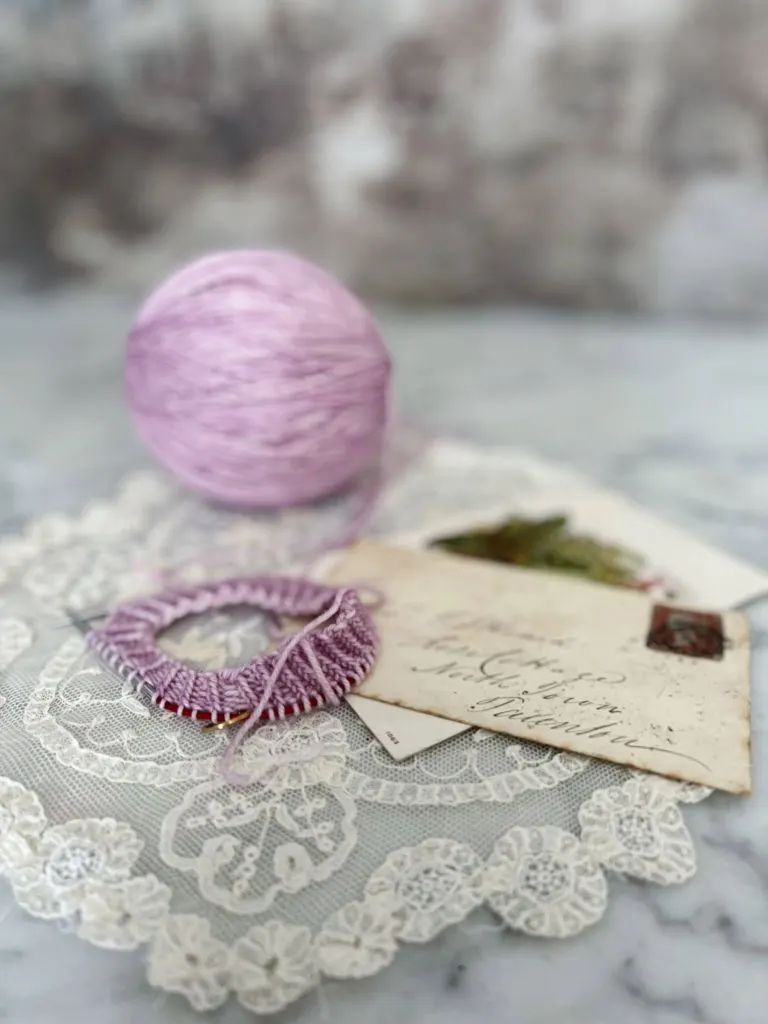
(680,566)
(597,670)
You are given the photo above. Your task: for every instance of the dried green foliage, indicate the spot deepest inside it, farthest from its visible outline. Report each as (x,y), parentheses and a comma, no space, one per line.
(547,544)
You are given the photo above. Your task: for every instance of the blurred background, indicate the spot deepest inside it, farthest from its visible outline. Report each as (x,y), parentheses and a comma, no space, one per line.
(558,210)
(588,154)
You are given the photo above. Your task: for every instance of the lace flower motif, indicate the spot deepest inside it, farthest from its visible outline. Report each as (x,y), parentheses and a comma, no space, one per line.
(428,886)
(358,940)
(124,916)
(22,822)
(184,957)
(296,753)
(543,881)
(292,867)
(272,965)
(636,830)
(681,792)
(70,858)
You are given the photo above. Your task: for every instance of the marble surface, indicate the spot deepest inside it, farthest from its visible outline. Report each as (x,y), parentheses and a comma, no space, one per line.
(674,416)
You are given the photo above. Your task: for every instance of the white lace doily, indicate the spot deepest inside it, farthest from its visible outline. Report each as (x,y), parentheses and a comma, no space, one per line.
(114,819)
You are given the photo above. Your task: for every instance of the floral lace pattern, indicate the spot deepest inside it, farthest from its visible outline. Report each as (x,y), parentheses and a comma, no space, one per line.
(336,856)
(68,859)
(637,830)
(123,916)
(272,965)
(186,958)
(225,836)
(22,822)
(429,886)
(358,940)
(545,882)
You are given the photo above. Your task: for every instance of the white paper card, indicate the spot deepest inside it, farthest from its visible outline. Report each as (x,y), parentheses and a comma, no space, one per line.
(400,731)
(558,661)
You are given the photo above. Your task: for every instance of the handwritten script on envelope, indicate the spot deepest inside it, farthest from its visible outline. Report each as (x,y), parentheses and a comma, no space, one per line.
(583,667)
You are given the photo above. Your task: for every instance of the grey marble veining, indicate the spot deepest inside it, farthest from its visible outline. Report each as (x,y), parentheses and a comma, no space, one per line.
(674,416)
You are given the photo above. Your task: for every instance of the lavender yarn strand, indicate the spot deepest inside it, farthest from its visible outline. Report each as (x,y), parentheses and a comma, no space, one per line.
(259,380)
(298,639)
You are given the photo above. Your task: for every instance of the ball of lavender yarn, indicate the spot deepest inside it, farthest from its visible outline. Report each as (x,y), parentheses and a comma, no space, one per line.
(258,379)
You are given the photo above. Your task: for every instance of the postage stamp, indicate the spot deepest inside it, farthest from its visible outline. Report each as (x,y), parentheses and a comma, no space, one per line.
(679,631)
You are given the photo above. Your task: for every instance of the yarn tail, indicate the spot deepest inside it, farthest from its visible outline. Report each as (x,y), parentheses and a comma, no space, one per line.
(228,771)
